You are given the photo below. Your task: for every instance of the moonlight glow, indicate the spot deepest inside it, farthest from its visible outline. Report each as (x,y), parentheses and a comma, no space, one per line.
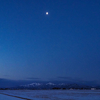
(46,13)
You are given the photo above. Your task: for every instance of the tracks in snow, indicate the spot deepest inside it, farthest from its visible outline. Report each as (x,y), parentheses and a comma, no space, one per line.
(15,96)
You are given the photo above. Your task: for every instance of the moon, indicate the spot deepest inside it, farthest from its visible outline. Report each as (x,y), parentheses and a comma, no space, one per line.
(47,13)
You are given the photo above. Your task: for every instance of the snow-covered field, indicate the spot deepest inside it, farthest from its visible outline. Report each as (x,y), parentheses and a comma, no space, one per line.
(3,97)
(50,94)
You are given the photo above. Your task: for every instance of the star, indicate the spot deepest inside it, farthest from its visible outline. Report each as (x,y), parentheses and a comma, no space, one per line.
(47,13)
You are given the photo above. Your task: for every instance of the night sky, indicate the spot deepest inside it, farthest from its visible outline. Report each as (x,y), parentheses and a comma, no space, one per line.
(65,44)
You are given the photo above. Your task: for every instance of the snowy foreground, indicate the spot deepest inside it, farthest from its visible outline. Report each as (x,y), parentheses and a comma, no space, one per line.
(49,94)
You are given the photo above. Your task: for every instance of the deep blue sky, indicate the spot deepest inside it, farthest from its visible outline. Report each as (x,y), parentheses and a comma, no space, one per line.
(64,44)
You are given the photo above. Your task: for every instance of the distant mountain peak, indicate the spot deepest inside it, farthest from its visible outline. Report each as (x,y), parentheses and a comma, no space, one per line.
(50,83)
(34,84)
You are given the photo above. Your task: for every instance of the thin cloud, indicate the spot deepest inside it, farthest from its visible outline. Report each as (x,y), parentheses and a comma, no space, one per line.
(60,77)
(32,78)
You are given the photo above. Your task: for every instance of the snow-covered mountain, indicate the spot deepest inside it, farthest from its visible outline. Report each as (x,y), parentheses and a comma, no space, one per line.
(48,85)
(31,85)
(51,85)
